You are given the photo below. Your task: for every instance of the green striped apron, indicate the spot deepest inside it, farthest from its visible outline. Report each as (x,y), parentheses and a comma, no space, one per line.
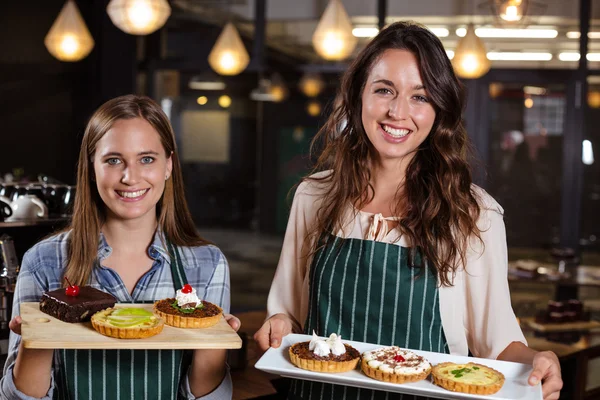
(366,291)
(123,374)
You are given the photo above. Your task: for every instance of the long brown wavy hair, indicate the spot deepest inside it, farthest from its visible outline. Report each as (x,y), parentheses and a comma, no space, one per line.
(89,211)
(437,209)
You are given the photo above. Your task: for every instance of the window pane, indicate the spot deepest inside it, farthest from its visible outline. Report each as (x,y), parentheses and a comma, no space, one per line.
(526,160)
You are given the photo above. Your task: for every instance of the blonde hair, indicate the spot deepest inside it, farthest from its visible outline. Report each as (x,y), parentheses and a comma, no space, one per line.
(174,218)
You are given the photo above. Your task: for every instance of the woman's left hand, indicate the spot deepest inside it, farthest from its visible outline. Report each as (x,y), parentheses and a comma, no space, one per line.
(233,321)
(546,369)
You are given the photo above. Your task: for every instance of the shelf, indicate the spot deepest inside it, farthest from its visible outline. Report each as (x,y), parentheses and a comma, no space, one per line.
(33,222)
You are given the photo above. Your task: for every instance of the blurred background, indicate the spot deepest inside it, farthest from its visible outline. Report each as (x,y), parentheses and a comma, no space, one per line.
(248,83)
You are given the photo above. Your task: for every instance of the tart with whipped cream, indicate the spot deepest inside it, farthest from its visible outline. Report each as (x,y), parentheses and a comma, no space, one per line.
(186,310)
(324,355)
(127,323)
(395,365)
(467,378)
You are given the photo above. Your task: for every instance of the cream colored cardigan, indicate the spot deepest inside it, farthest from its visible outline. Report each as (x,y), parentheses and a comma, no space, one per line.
(476,311)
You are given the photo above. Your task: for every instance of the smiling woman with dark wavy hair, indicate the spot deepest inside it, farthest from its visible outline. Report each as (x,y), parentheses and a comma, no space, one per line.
(388,240)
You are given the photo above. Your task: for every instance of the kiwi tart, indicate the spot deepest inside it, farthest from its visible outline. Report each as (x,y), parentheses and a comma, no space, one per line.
(127,323)
(467,378)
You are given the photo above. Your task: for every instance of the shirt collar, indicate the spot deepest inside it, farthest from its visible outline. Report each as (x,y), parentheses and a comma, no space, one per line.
(156,250)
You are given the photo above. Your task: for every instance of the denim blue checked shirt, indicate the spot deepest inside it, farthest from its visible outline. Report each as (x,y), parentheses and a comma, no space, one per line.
(43,267)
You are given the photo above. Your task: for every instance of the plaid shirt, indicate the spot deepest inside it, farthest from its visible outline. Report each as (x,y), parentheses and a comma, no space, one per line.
(43,267)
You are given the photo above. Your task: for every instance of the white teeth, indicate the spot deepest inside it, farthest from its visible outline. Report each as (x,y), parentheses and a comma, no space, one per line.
(395,132)
(132,195)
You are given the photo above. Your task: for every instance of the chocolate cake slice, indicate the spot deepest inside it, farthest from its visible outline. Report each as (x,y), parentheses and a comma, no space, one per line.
(78,308)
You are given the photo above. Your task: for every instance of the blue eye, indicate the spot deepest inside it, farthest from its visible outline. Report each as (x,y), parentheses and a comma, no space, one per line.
(147,160)
(113,161)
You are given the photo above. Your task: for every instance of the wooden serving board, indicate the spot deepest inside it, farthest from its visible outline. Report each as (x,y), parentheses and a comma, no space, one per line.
(562,327)
(42,331)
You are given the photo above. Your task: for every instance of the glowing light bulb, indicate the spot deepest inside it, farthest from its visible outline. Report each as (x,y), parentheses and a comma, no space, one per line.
(512,11)
(332,43)
(227,61)
(140,14)
(69,44)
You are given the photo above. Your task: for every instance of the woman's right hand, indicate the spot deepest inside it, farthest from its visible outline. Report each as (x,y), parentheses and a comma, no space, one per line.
(272,331)
(15,324)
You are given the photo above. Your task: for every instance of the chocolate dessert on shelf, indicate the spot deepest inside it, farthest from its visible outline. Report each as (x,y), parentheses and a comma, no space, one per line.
(74,303)
(563,312)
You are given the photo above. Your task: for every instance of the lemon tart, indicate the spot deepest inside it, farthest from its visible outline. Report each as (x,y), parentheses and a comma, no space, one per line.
(467,378)
(127,323)
(186,310)
(395,365)
(324,355)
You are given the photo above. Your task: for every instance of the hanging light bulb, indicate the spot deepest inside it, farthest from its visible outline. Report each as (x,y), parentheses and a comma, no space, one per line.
(510,10)
(470,60)
(311,84)
(229,56)
(69,38)
(138,17)
(333,38)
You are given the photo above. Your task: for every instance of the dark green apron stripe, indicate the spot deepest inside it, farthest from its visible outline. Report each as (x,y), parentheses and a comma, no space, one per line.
(341,294)
(397,293)
(356,279)
(368,300)
(383,292)
(410,300)
(332,274)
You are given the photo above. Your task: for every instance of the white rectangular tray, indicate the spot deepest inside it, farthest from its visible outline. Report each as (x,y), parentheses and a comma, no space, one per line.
(277,361)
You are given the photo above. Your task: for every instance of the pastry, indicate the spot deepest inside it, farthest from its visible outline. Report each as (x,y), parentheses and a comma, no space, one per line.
(127,323)
(186,310)
(395,365)
(74,303)
(324,355)
(467,378)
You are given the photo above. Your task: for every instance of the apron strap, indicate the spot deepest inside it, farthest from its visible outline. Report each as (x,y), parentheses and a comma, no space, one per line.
(177,271)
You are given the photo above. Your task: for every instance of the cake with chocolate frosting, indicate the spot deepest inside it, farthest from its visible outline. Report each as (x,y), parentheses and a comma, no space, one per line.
(395,365)
(75,308)
(324,355)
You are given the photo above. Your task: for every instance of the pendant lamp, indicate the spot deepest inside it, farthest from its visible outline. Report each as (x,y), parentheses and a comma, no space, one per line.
(333,39)
(311,84)
(228,56)
(138,17)
(69,38)
(470,59)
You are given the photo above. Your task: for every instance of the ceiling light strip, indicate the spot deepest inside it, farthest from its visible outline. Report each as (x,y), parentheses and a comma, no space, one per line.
(529,33)
(518,56)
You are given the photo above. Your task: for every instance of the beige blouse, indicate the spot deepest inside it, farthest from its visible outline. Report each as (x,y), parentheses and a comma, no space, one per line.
(476,311)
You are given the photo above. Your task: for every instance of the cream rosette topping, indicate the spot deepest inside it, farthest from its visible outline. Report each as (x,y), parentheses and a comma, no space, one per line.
(395,360)
(323,347)
(186,298)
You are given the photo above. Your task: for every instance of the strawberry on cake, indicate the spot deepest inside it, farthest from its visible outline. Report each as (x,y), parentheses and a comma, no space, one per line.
(395,365)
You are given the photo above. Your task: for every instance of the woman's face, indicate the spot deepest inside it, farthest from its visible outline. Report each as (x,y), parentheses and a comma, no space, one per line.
(131,168)
(396,112)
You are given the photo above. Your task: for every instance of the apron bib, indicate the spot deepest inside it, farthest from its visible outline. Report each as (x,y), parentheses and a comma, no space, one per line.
(366,291)
(123,374)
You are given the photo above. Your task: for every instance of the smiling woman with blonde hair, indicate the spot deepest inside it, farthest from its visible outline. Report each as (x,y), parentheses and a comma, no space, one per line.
(131,235)
(388,240)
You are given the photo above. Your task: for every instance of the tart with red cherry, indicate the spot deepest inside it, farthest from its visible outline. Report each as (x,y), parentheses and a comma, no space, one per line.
(395,365)
(186,310)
